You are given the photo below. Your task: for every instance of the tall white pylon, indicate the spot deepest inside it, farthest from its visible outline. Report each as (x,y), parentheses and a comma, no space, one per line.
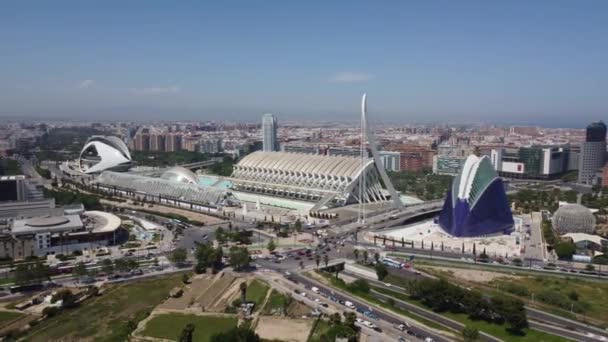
(367,134)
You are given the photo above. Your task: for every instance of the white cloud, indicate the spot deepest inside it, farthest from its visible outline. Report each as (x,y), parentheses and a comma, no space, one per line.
(350,77)
(86,84)
(155,90)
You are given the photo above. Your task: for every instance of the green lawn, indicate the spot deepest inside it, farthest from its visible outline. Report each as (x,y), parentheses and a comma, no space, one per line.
(169,326)
(275,302)
(592,296)
(320,328)
(256,292)
(106,318)
(489,328)
(6,316)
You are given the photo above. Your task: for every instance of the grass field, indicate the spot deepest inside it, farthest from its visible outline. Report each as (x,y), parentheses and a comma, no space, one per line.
(7,316)
(320,328)
(592,296)
(276,301)
(106,318)
(256,292)
(169,326)
(489,328)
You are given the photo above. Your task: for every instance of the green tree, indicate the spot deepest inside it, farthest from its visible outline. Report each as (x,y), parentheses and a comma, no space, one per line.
(238,334)
(381,271)
(377,257)
(565,250)
(469,333)
(356,253)
(178,256)
(239,257)
(187,333)
(589,268)
(271,246)
(79,270)
(68,299)
(243,289)
(220,235)
(107,266)
(359,285)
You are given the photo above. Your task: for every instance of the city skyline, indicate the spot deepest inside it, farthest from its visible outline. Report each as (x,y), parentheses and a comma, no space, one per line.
(513,63)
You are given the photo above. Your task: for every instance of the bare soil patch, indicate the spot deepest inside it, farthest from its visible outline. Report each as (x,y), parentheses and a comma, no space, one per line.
(283,329)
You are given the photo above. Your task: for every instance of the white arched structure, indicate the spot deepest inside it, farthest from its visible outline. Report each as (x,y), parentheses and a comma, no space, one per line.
(180,174)
(326,180)
(102,153)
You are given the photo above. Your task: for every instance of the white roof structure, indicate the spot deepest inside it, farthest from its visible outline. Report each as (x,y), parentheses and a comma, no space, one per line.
(180,174)
(315,178)
(167,189)
(582,237)
(102,153)
(476,175)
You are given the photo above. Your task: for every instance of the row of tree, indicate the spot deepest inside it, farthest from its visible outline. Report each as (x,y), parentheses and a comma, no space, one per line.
(442,296)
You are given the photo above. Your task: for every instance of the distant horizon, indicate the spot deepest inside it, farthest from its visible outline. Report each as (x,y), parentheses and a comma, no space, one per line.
(291,121)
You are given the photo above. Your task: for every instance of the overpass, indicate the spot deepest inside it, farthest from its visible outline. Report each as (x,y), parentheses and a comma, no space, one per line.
(391,218)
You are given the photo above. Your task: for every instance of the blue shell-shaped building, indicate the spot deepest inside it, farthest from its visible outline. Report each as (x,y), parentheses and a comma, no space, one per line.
(476,204)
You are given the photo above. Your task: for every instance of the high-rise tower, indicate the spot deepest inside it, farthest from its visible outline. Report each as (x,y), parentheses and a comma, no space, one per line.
(593,153)
(269,133)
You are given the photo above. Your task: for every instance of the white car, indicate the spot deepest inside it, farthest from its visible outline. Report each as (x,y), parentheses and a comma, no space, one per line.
(315,289)
(349,305)
(428,339)
(359,320)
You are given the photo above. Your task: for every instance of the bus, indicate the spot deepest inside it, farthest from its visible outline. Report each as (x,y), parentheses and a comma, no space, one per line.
(26,288)
(392,263)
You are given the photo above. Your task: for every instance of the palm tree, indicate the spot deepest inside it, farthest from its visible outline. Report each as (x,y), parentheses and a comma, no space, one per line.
(356,253)
(317,259)
(326,260)
(377,257)
(365,256)
(243,288)
(302,264)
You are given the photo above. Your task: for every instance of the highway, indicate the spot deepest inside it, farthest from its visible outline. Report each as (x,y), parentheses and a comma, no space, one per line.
(557,325)
(382,314)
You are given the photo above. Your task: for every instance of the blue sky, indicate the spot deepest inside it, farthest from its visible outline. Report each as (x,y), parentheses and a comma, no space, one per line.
(420,61)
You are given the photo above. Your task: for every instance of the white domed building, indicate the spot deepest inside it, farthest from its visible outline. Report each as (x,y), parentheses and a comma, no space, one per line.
(180,174)
(101,153)
(573,218)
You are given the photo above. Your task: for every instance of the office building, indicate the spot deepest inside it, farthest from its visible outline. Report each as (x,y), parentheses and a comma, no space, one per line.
(141,141)
(157,142)
(532,162)
(212,145)
(391,160)
(451,156)
(593,153)
(173,142)
(269,133)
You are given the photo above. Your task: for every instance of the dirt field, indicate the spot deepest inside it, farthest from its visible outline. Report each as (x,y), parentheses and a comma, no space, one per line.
(473,275)
(197,286)
(284,329)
